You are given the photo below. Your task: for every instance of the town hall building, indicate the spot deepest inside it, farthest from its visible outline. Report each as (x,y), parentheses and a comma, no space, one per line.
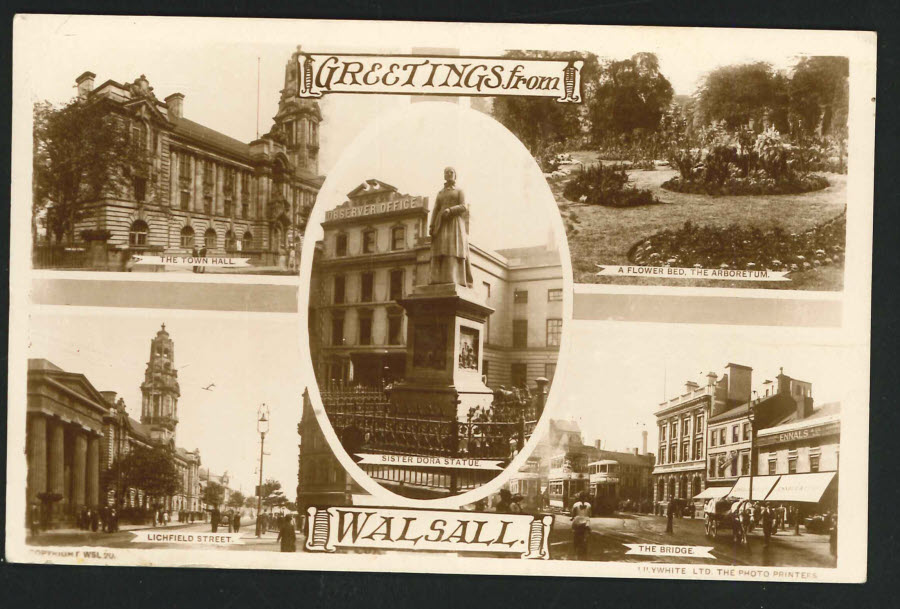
(201,189)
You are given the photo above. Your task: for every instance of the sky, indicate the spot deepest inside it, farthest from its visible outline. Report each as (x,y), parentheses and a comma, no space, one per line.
(409,149)
(252,359)
(625,371)
(219,79)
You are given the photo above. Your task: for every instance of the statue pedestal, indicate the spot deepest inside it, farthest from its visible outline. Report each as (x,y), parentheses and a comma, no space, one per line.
(446,325)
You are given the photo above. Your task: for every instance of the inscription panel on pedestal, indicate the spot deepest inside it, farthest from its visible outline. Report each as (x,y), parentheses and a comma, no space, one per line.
(430,346)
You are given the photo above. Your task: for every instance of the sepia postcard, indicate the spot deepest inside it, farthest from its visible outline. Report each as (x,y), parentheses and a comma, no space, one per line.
(469,298)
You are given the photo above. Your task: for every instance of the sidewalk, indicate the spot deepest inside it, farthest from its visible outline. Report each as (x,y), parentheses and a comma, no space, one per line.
(68,531)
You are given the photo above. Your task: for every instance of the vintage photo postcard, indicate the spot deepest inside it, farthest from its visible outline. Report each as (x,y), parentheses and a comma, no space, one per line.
(440,297)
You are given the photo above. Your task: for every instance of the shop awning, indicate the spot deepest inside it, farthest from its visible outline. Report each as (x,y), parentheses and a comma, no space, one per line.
(806,488)
(761,487)
(713,492)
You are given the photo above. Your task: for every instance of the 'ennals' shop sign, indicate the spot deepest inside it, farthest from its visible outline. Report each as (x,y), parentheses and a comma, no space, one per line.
(322,73)
(522,535)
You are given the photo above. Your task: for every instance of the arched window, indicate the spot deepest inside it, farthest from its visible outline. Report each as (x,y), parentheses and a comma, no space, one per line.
(187,237)
(137,235)
(209,239)
(230,242)
(247,241)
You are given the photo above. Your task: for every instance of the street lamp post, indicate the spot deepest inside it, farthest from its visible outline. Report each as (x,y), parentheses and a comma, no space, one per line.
(262,426)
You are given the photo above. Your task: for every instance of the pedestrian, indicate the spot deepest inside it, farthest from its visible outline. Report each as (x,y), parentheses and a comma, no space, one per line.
(832,535)
(745,523)
(104,518)
(202,269)
(113,520)
(214,519)
(581,526)
(504,505)
(95,520)
(237,521)
(194,255)
(34,517)
(286,535)
(767,522)
(670,515)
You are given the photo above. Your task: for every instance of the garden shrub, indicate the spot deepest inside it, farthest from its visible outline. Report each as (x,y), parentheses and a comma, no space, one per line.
(608,186)
(737,164)
(744,248)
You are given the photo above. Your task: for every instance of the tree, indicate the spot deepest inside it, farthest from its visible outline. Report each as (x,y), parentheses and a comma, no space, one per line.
(213,494)
(236,500)
(82,152)
(152,470)
(272,495)
(739,94)
(632,95)
(541,121)
(819,95)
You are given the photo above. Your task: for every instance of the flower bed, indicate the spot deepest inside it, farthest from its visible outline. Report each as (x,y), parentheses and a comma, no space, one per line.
(758,184)
(608,186)
(734,247)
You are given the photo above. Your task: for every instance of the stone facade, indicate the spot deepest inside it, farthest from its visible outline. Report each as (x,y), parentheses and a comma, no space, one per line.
(203,189)
(375,250)
(76,434)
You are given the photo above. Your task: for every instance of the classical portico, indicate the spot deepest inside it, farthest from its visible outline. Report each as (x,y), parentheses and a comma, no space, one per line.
(65,428)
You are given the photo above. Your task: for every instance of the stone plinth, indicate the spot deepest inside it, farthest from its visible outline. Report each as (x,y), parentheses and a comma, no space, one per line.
(446,324)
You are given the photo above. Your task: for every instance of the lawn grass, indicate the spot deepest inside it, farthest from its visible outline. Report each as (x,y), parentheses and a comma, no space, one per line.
(604,235)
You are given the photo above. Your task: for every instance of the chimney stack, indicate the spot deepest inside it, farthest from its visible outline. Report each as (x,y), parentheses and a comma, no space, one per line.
(635,451)
(175,105)
(739,379)
(690,386)
(598,444)
(644,442)
(85,84)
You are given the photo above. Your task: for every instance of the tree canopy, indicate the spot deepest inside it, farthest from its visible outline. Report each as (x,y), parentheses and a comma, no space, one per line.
(152,470)
(631,96)
(819,93)
(213,494)
(82,151)
(236,499)
(738,94)
(542,121)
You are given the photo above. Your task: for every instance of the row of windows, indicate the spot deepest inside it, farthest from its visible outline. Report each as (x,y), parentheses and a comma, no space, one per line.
(673,455)
(370,239)
(723,465)
(395,328)
(553,295)
(367,287)
(672,427)
(739,433)
(520,333)
(137,237)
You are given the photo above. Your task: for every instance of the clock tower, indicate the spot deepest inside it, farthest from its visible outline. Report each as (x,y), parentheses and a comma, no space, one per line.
(160,391)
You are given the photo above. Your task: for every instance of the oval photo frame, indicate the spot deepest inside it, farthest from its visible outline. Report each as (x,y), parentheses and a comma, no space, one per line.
(503,186)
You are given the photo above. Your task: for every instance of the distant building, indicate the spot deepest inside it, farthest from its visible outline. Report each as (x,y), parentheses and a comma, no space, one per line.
(203,189)
(376,249)
(321,479)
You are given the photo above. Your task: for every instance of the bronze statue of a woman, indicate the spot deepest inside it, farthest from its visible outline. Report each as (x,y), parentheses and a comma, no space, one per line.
(450,235)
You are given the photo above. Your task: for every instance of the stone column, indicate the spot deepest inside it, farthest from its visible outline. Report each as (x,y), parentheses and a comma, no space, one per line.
(37,456)
(93,471)
(79,465)
(56,469)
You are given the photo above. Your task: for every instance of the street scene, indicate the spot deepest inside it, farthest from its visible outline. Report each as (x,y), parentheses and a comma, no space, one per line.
(103,472)
(745,463)
(609,534)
